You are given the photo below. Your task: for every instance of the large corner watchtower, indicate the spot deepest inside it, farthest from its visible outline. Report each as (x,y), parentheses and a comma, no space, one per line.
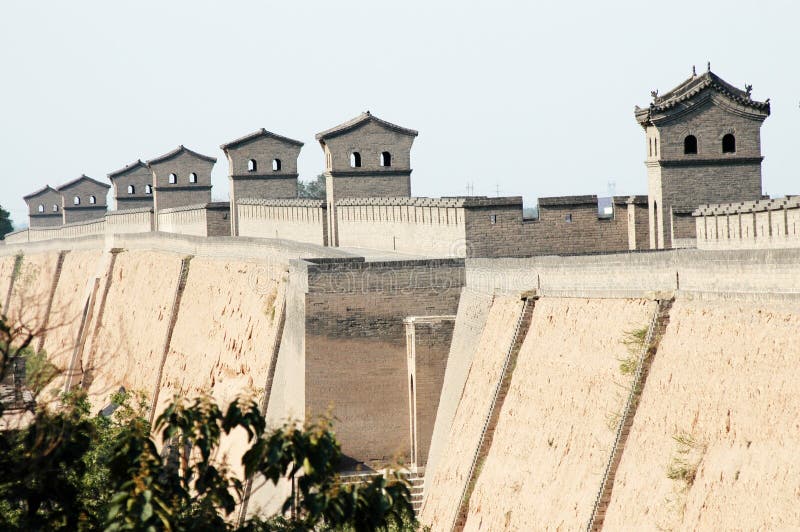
(365,157)
(703,146)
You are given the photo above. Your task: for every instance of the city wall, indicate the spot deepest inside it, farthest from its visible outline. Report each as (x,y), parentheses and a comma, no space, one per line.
(710,399)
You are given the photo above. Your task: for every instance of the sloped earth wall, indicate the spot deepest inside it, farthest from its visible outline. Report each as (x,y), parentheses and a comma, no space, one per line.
(725,383)
(473,310)
(125,345)
(31,290)
(450,474)
(557,424)
(223,339)
(6,272)
(75,283)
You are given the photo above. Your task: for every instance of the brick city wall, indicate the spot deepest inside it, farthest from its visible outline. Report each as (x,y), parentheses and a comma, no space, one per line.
(301,220)
(355,345)
(211,219)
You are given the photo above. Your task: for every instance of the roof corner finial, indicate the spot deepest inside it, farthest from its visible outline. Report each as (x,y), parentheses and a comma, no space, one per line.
(654,94)
(748,88)
(709,66)
(694,71)
(368,113)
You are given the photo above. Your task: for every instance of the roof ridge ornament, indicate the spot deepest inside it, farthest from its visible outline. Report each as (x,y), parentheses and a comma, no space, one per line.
(654,94)
(709,66)
(694,71)
(748,89)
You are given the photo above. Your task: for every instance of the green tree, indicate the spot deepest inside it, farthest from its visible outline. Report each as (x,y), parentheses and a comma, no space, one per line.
(314,189)
(69,470)
(5,223)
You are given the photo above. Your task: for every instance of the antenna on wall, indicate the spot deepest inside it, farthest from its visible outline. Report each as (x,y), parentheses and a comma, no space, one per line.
(470,188)
(497,190)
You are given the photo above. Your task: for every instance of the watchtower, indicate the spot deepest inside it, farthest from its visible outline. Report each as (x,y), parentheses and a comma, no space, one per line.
(181,177)
(83,199)
(44,208)
(262,165)
(365,157)
(703,146)
(133,186)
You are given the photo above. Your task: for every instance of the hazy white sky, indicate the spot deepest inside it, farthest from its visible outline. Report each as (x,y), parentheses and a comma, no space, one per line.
(535,98)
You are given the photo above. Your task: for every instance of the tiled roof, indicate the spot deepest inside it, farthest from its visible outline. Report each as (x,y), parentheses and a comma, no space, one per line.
(177,151)
(258,134)
(463,201)
(694,86)
(127,168)
(359,121)
(285,202)
(38,192)
(83,177)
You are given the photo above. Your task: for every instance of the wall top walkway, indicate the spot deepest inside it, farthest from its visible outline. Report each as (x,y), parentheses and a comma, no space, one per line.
(220,247)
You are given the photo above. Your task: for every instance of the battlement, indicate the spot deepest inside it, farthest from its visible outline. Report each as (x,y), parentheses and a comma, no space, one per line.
(765,223)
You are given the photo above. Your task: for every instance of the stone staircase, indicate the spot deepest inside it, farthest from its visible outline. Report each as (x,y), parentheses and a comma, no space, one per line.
(415,480)
(487,435)
(655,332)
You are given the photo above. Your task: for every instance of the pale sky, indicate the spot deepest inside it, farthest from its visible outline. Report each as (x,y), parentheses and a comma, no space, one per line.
(535,98)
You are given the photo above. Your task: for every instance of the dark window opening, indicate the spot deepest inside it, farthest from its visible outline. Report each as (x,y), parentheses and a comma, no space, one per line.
(355,160)
(148,189)
(276,165)
(492,218)
(131,189)
(386,159)
(55,207)
(192,178)
(92,200)
(41,208)
(728,144)
(252,165)
(568,218)
(173,179)
(690,145)
(76,200)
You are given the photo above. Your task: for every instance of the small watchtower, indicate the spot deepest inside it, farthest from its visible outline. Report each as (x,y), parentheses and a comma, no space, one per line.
(181,177)
(83,199)
(703,146)
(133,186)
(44,208)
(262,165)
(365,157)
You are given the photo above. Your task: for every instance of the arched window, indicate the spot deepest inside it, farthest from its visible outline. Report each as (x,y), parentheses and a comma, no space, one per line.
(148,189)
(92,200)
(355,160)
(173,179)
(76,200)
(41,208)
(55,207)
(192,178)
(131,189)
(690,144)
(386,159)
(728,144)
(276,165)
(252,165)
